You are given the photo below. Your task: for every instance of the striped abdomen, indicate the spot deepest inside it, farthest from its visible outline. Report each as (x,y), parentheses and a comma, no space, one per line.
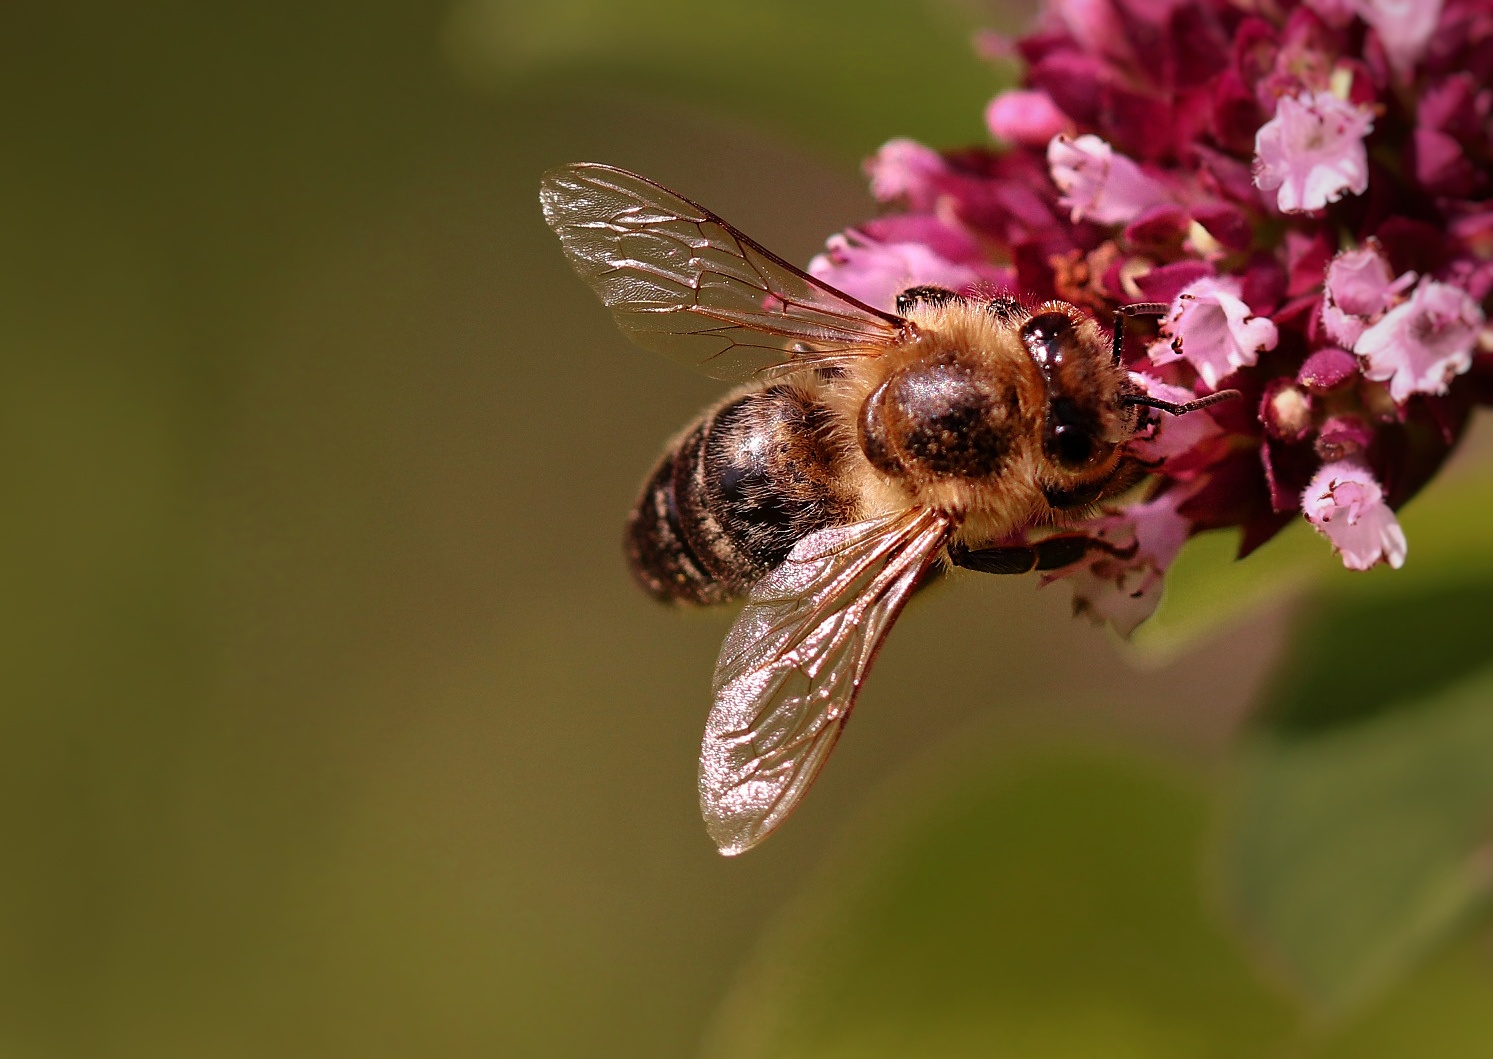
(735,493)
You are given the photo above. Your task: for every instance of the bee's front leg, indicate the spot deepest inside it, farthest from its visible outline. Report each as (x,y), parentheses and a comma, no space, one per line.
(1049,553)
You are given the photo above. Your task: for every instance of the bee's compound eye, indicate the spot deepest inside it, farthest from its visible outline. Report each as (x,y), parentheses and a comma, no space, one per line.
(1069,438)
(1069,445)
(1045,336)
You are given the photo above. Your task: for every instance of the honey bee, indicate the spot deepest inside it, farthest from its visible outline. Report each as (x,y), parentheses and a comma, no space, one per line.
(866,451)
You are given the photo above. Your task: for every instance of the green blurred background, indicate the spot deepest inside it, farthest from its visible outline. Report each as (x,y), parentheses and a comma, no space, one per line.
(330,723)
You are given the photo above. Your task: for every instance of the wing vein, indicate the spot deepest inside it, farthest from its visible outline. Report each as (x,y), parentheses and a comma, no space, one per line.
(793,663)
(648,252)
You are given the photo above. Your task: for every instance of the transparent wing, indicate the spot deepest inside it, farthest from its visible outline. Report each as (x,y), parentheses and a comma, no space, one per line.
(685,283)
(791,667)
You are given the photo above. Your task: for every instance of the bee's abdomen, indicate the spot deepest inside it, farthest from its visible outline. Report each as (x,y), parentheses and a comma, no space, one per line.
(728,502)
(658,551)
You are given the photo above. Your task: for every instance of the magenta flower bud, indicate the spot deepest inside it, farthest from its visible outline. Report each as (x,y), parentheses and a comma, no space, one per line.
(1312,153)
(1163,284)
(1327,369)
(1163,223)
(1025,116)
(1226,223)
(1346,505)
(1475,228)
(1286,411)
(1456,104)
(1441,165)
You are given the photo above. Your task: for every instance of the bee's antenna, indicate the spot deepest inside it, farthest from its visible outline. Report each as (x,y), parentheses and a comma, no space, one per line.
(1125,312)
(1178,409)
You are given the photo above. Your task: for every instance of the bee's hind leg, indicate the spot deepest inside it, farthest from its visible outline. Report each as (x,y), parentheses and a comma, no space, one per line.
(1049,553)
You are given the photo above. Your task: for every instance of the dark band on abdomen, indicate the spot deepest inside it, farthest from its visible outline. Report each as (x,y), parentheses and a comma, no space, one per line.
(734,495)
(658,552)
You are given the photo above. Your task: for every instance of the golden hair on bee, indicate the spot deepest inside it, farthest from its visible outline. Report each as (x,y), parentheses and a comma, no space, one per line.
(866,450)
(988,412)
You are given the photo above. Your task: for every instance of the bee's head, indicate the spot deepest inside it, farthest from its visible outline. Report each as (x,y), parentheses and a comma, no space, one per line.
(1084,425)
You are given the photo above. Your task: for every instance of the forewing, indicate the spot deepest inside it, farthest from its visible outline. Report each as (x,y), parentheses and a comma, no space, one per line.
(684,282)
(793,663)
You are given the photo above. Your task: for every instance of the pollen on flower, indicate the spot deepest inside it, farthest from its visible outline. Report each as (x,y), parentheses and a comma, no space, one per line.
(1286,411)
(1311,152)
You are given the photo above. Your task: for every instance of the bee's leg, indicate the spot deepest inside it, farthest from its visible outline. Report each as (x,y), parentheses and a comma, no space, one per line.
(929,295)
(1050,553)
(1124,313)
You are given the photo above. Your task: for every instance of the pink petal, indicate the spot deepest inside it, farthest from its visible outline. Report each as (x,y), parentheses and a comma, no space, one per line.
(1422,344)
(1346,505)
(1192,439)
(1095,24)
(876,272)
(905,169)
(1336,13)
(1125,592)
(1404,27)
(949,241)
(1098,183)
(1359,287)
(1312,151)
(1211,328)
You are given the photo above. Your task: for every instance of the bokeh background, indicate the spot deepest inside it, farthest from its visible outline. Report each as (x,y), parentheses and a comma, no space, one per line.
(331,725)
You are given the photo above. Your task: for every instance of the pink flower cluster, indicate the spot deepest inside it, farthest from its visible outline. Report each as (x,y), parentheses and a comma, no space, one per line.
(1307,183)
